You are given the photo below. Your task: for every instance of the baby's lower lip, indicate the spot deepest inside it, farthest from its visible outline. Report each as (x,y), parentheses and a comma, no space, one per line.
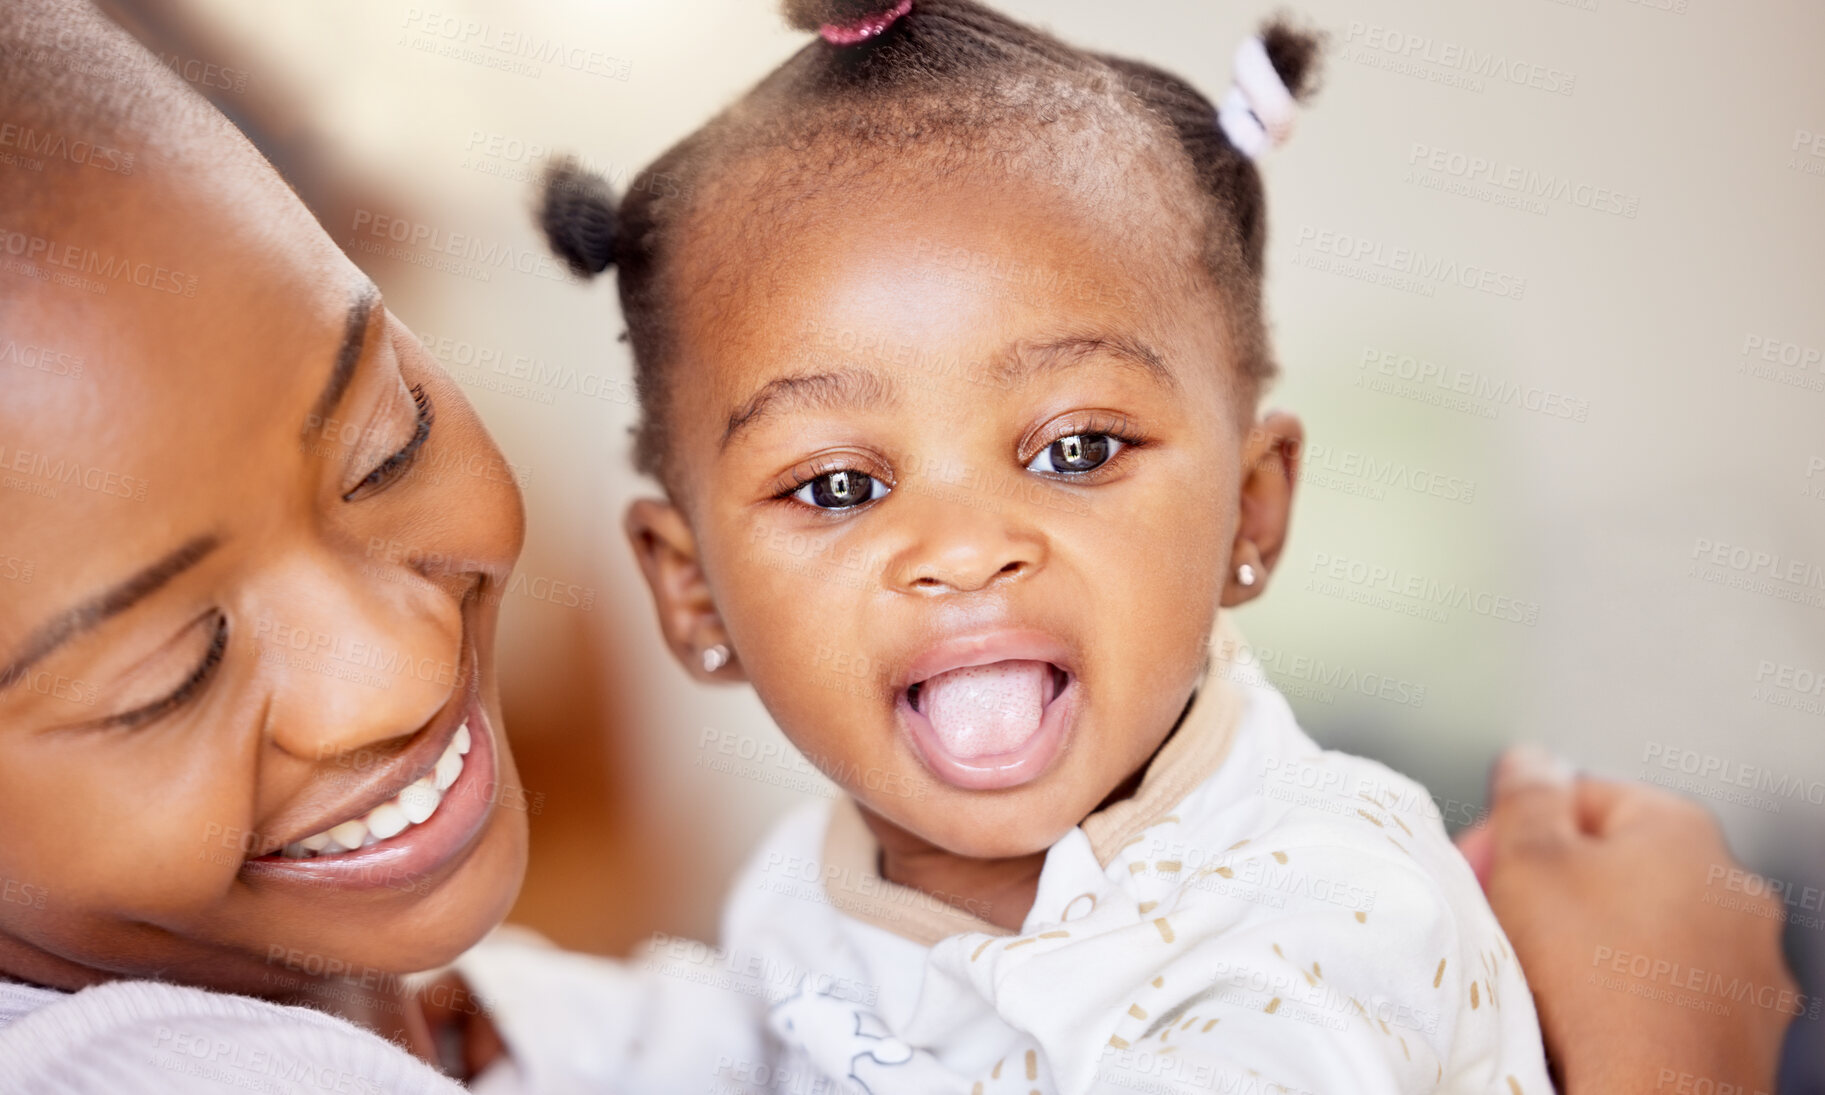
(1027,762)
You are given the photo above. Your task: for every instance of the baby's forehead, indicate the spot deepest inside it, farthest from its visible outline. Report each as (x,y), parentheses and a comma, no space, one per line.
(773,232)
(879,291)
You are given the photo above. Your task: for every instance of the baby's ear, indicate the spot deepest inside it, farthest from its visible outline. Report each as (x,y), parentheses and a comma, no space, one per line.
(1270,470)
(667,551)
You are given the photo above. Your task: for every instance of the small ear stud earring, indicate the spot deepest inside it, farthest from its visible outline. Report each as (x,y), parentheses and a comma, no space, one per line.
(715,658)
(1245,575)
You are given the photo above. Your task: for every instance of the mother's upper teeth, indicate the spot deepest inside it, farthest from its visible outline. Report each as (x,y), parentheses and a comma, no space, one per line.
(412,806)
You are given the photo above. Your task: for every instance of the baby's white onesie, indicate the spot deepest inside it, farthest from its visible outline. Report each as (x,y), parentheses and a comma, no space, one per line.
(1261,916)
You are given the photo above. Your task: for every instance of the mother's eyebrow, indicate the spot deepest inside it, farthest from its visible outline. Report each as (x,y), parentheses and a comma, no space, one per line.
(348,355)
(106,605)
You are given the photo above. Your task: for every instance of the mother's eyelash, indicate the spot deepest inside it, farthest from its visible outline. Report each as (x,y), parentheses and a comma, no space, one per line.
(218,647)
(394,466)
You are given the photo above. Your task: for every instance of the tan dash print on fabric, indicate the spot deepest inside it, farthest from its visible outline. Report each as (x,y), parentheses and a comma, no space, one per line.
(1159,982)
(1373,820)
(1316,972)
(1475,1001)
(1118,1041)
(1021,942)
(1146,907)
(1362,917)
(1032,1065)
(1168,866)
(1402,824)
(1397,844)
(1514,1086)
(1280,857)
(1440,975)
(1137,1011)
(1207,1027)
(979,950)
(995,1073)
(1236,845)
(1273,1005)
(1404,1051)
(1165,929)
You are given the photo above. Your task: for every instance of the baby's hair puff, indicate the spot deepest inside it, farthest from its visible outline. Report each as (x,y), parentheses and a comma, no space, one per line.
(577,214)
(891,87)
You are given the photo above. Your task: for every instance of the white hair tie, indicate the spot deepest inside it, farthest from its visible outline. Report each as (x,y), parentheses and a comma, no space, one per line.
(1258,113)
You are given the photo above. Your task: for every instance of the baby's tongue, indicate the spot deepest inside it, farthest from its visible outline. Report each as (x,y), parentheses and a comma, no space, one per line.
(982,710)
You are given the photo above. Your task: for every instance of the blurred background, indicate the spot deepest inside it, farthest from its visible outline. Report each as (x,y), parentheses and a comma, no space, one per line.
(1546,278)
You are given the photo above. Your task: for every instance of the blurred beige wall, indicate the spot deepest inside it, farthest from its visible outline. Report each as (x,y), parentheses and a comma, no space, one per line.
(1546,278)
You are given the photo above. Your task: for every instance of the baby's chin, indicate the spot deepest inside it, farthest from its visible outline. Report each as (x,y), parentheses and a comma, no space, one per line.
(987,824)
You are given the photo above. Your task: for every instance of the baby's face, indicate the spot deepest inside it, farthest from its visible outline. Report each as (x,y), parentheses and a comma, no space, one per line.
(962,473)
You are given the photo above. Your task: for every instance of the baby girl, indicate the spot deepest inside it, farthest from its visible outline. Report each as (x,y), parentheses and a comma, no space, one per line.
(949,340)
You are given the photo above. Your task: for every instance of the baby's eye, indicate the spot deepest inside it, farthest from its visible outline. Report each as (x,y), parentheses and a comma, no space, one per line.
(843,489)
(1076,454)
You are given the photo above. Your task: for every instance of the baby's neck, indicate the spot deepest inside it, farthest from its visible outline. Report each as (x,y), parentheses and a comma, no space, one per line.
(1001,890)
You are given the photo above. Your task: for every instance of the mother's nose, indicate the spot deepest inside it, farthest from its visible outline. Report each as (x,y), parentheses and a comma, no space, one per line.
(355,655)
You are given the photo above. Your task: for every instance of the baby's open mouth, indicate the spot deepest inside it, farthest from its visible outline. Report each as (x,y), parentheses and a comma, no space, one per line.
(991,710)
(413,806)
(987,710)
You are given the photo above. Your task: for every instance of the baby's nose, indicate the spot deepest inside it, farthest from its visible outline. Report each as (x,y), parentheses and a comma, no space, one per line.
(949,548)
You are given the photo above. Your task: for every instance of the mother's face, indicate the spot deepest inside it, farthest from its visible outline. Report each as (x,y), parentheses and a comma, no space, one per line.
(252,546)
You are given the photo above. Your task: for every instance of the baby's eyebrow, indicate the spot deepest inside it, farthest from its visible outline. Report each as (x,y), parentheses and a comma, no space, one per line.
(851,387)
(1027,360)
(837,389)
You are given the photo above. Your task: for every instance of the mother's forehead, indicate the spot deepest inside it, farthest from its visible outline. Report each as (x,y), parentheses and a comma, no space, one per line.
(161,260)
(167,299)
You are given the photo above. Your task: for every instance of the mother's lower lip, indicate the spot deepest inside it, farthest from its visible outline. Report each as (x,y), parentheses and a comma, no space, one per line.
(1001,770)
(414,859)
